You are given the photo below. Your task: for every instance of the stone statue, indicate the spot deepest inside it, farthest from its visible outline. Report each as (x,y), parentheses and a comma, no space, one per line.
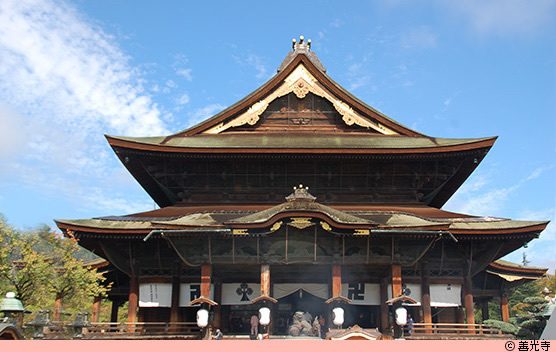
(302,325)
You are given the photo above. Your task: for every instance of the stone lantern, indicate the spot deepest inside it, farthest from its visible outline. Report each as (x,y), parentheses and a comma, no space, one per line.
(12,309)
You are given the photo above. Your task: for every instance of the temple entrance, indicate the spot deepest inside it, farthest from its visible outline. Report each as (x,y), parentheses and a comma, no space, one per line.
(298,301)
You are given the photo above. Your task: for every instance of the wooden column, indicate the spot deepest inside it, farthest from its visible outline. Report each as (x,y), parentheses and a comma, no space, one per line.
(336,280)
(205,280)
(504,308)
(459,315)
(114,312)
(484,309)
(175,303)
(265,280)
(384,306)
(469,306)
(396,280)
(133,299)
(217,322)
(396,292)
(426,295)
(57,315)
(96,310)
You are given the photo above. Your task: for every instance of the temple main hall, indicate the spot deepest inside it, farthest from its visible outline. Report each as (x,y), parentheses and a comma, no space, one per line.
(302,198)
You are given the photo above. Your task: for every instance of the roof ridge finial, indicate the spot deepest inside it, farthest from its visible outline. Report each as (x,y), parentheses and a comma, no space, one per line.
(301,46)
(301,193)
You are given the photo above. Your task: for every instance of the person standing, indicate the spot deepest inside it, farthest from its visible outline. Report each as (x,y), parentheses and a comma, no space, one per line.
(410,322)
(254,325)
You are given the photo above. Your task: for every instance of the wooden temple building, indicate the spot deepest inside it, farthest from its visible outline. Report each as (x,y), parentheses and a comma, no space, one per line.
(301,197)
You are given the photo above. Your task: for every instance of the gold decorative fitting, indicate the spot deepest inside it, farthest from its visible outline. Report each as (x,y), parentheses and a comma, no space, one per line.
(325,226)
(361,232)
(300,89)
(301,223)
(301,194)
(276,226)
(240,232)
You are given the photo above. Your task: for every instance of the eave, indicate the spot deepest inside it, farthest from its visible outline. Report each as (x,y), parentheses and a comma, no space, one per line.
(257,144)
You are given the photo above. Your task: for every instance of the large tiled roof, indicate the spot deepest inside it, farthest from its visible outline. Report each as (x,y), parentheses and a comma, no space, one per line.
(217,216)
(298,141)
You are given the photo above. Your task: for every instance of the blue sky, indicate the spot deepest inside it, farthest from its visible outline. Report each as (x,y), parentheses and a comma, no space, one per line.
(73,71)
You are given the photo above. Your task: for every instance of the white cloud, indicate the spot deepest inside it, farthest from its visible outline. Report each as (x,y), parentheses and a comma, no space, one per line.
(357,74)
(204,113)
(471,199)
(64,82)
(505,17)
(180,61)
(185,73)
(183,99)
(171,84)
(256,62)
(419,37)
(52,58)
(337,23)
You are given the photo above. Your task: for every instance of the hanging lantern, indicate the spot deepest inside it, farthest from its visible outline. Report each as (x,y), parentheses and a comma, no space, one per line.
(264,316)
(338,316)
(401,316)
(202,318)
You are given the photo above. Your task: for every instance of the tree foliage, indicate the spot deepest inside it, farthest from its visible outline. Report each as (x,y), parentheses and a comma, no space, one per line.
(40,265)
(526,306)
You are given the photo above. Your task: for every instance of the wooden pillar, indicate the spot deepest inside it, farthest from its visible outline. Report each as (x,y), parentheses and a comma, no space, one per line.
(396,280)
(265,280)
(484,309)
(96,310)
(133,299)
(175,303)
(426,296)
(396,292)
(114,312)
(205,280)
(504,308)
(217,322)
(469,306)
(336,280)
(384,306)
(57,316)
(459,315)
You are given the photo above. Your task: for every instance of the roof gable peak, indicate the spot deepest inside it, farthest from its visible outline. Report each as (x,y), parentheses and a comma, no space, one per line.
(302,47)
(301,82)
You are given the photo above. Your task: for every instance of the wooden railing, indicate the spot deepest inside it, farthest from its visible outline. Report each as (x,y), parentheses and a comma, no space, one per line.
(451,329)
(60,330)
(111,330)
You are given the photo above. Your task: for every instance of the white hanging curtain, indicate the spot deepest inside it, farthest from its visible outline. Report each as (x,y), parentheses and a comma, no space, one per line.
(192,291)
(240,293)
(283,290)
(155,295)
(412,290)
(362,294)
(445,295)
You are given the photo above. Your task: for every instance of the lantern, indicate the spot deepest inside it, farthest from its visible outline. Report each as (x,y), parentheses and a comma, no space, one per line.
(202,318)
(401,316)
(264,316)
(338,316)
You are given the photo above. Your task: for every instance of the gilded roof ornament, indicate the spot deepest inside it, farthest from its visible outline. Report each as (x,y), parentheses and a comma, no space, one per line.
(302,47)
(301,193)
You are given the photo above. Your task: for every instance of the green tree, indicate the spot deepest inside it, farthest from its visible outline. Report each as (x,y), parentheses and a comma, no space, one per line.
(68,276)
(22,269)
(526,306)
